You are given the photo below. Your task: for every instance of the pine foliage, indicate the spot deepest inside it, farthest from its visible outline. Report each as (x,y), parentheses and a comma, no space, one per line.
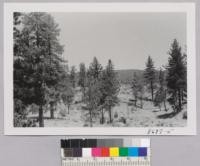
(176,77)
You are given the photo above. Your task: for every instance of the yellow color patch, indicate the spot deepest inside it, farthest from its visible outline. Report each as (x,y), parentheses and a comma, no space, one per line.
(114,152)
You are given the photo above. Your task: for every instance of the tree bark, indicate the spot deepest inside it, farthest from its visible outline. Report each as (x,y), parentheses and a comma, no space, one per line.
(110,114)
(182,95)
(164,101)
(41,118)
(152,91)
(179,100)
(165,105)
(90,118)
(141,103)
(160,107)
(102,117)
(52,110)
(68,106)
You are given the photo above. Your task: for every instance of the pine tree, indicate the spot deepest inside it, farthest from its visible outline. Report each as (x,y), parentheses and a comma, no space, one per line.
(160,96)
(95,69)
(176,78)
(40,58)
(150,76)
(82,78)
(22,92)
(67,94)
(110,88)
(54,50)
(73,76)
(92,98)
(93,86)
(184,89)
(138,89)
(19,106)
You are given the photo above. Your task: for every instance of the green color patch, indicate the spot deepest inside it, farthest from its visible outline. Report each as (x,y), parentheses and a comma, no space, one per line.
(123,151)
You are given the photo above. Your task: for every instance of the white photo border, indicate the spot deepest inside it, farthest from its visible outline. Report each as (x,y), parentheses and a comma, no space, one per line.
(188,8)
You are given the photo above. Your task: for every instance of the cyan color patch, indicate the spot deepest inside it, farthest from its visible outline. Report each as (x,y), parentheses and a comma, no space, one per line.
(132,151)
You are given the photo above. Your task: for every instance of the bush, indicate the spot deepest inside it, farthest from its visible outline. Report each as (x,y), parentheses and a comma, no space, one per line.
(123,120)
(85,125)
(62,112)
(23,121)
(116,115)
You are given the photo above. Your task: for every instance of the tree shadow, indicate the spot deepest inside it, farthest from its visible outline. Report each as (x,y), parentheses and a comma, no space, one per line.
(167,115)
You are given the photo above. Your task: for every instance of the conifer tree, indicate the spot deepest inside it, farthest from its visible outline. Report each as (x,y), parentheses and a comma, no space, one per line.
(160,96)
(110,88)
(40,58)
(176,77)
(73,76)
(150,76)
(93,86)
(67,92)
(138,89)
(82,78)
(20,89)
(92,98)
(95,69)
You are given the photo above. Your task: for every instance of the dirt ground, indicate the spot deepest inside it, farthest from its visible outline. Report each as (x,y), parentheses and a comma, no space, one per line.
(123,115)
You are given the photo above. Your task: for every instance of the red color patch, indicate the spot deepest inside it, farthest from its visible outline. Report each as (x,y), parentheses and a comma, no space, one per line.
(105,152)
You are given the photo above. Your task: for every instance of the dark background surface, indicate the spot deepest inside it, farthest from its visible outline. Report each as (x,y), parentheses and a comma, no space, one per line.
(45,150)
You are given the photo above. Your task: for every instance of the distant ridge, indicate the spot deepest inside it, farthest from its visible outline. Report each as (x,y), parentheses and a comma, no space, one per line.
(126,75)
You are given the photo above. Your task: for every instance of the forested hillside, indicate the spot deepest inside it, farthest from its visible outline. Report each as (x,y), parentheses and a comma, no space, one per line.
(48,91)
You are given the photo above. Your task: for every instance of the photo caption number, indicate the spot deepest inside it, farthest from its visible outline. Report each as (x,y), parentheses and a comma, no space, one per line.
(159,131)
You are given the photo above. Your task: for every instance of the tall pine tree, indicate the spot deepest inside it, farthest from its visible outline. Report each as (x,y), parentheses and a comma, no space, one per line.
(82,78)
(93,92)
(110,88)
(21,90)
(41,60)
(161,93)
(95,69)
(67,92)
(176,77)
(150,76)
(73,76)
(138,89)
(92,98)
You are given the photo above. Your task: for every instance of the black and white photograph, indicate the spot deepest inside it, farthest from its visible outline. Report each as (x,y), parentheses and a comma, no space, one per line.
(102,69)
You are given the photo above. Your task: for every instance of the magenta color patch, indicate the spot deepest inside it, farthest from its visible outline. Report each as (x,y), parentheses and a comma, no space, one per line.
(96,152)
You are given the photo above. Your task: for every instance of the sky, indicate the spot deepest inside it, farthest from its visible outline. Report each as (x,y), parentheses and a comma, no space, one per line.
(125,38)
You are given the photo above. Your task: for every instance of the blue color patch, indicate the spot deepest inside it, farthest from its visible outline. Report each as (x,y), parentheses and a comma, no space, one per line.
(132,151)
(142,152)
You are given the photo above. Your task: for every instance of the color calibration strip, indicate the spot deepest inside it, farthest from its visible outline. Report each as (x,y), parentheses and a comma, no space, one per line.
(108,152)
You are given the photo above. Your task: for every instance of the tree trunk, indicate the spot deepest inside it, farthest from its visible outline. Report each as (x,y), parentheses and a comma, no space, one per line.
(90,118)
(68,106)
(141,103)
(41,118)
(52,110)
(164,102)
(179,100)
(135,101)
(152,91)
(110,114)
(102,117)
(182,95)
